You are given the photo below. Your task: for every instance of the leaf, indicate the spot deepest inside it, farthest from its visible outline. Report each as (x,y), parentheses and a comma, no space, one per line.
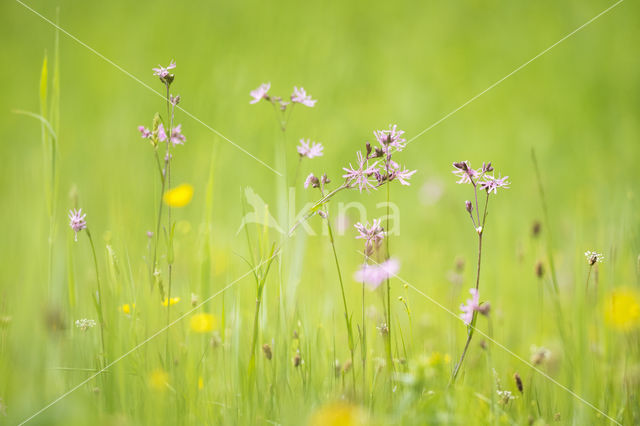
(43,86)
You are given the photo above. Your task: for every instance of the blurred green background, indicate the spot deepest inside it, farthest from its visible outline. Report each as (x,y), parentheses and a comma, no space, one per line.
(368,64)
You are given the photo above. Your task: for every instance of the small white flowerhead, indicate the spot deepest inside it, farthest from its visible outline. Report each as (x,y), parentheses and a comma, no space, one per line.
(593,257)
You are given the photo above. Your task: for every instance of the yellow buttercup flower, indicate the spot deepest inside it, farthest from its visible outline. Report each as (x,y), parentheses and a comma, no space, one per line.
(338,414)
(622,309)
(200,383)
(126,308)
(179,196)
(158,379)
(202,323)
(173,301)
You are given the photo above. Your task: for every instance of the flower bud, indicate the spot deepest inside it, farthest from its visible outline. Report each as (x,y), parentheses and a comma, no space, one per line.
(468,206)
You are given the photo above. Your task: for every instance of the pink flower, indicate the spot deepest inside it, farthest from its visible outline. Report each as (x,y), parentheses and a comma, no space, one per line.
(300,96)
(163,72)
(146,133)
(401,175)
(177,138)
(374,275)
(77,222)
(465,172)
(310,151)
(472,305)
(260,93)
(372,234)
(312,181)
(490,183)
(390,138)
(360,177)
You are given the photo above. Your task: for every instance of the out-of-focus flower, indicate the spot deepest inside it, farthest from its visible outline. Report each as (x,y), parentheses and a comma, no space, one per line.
(85,324)
(200,383)
(170,302)
(374,275)
(539,354)
(472,305)
(177,138)
(158,379)
(312,181)
(372,234)
(339,414)
(260,93)
(391,138)
(300,96)
(146,133)
(622,309)
(505,396)
(77,221)
(431,192)
(491,184)
(127,309)
(203,323)
(593,257)
(310,149)
(179,196)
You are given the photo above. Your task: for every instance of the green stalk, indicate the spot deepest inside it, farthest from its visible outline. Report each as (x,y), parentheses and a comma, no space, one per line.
(98,302)
(344,301)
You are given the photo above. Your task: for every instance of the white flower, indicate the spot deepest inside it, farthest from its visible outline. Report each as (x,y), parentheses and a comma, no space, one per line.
(84,324)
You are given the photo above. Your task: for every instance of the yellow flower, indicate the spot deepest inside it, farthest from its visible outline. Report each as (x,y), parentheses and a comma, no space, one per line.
(338,414)
(158,379)
(126,308)
(179,196)
(203,323)
(200,383)
(622,309)
(171,302)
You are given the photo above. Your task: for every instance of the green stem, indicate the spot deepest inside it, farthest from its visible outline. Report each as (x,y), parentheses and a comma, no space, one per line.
(99,301)
(388,337)
(344,301)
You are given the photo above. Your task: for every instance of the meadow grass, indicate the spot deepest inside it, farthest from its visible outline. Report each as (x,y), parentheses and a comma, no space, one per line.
(248,324)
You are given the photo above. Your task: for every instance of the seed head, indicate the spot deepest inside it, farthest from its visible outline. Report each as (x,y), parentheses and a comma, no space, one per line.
(266,349)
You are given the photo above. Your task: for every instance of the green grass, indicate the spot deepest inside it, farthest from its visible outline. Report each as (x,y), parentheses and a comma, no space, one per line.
(368,64)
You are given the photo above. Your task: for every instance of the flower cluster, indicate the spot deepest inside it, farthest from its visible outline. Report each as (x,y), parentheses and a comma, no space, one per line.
(84,324)
(593,257)
(376,167)
(77,221)
(374,275)
(480,177)
(310,149)
(371,234)
(315,182)
(299,96)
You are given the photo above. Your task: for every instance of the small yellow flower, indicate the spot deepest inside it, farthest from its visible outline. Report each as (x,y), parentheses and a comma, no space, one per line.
(179,196)
(203,323)
(173,301)
(436,358)
(622,309)
(126,308)
(200,383)
(158,379)
(338,414)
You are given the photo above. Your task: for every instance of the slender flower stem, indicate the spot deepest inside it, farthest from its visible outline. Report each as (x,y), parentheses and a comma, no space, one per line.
(586,287)
(471,327)
(364,343)
(344,301)
(169,227)
(99,297)
(388,336)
